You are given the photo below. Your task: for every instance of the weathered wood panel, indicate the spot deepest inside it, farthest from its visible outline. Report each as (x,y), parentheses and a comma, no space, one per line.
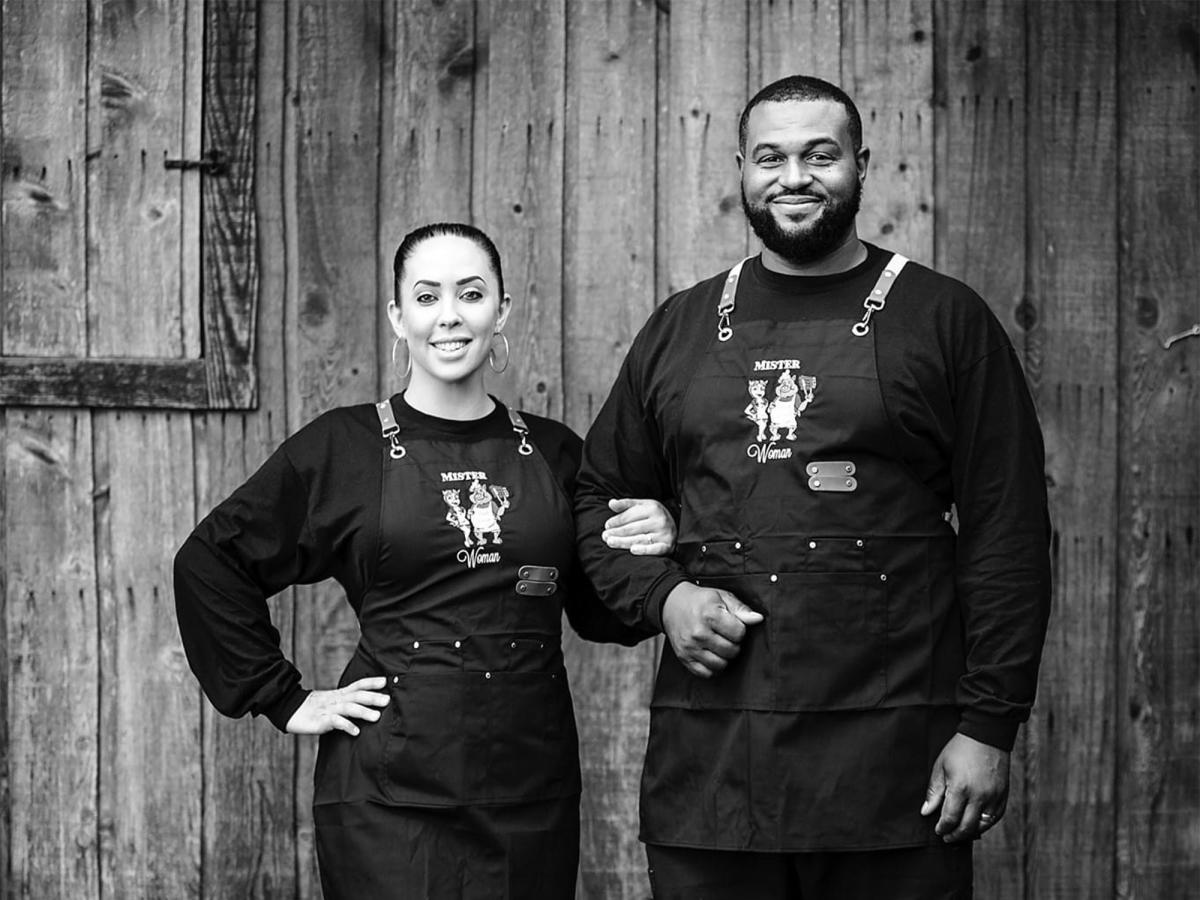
(51,670)
(794,37)
(430,61)
(1158,706)
(979,237)
(887,67)
(1070,357)
(334,134)
(249,801)
(702,89)
(608,291)
(516,186)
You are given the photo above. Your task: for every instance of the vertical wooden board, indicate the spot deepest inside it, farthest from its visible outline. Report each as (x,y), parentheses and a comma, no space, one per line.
(1158,786)
(517,186)
(887,69)
(43,141)
(52,670)
(979,237)
(701,228)
(249,805)
(794,37)
(1071,352)
(135,203)
(334,314)
(608,291)
(150,778)
(429,65)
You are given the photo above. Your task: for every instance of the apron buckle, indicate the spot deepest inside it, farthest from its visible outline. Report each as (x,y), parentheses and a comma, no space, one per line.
(832,475)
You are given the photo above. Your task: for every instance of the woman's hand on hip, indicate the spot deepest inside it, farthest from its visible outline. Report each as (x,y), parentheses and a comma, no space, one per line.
(643,527)
(324,711)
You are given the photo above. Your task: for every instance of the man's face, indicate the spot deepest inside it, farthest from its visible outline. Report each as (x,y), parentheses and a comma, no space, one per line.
(801,179)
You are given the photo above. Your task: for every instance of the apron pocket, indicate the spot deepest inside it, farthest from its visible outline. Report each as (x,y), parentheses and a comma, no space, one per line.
(520,738)
(828,634)
(423,755)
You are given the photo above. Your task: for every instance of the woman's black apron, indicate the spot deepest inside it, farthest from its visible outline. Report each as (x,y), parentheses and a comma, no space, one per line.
(468,784)
(820,734)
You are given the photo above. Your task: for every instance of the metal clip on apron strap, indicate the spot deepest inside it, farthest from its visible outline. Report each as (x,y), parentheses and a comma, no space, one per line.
(537,581)
(522,430)
(728,298)
(389,428)
(878,297)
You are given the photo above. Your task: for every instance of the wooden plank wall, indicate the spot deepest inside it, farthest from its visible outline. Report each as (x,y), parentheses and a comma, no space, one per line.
(1047,153)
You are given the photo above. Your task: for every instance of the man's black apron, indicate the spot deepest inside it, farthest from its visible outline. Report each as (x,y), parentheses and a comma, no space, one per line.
(821,733)
(464,620)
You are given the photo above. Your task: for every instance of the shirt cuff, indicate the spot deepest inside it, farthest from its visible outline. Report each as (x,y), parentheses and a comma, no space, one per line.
(657,596)
(990,730)
(285,707)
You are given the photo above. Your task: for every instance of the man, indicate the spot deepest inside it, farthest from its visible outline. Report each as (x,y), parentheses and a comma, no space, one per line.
(846,675)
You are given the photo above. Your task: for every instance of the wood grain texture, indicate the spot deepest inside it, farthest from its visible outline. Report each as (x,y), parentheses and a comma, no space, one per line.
(51,672)
(1070,357)
(701,228)
(517,183)
(430,64)
(794,37)
(979,237)
(887,68)
(43,123)
(1158,771)
(134,223)
(53,668)
(249,802)
(608,291)
(334,74)
(230,250)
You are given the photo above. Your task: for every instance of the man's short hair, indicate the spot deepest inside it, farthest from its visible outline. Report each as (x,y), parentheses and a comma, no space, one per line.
(802,87)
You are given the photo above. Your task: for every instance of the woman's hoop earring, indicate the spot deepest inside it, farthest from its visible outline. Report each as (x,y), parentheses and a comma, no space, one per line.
(492,354)
(408,359)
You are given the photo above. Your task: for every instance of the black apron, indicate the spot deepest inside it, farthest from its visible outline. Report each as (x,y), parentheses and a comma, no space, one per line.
(795,501)
(464,619)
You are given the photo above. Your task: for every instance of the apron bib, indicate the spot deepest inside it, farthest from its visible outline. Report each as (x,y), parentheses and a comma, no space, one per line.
(464,620)
(796,503)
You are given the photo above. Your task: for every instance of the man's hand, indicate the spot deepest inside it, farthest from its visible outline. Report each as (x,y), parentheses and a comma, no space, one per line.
(324,711)
(970,784)
(705,626)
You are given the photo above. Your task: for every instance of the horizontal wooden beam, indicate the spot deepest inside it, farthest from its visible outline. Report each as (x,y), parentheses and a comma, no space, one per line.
(122,383)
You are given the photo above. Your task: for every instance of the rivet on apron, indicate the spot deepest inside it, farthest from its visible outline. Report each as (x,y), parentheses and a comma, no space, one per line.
(395,679)
(737,545)
(812,545)
(457,645)
(849,470)
(703,548)
(774,578)
(849,482)
(487,674)
(513,645)
(817,482)
(858,543)
(883,578)
(416,645)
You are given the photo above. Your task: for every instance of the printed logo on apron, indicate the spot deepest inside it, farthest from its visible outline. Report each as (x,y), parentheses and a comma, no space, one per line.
(777,418)
(478,518)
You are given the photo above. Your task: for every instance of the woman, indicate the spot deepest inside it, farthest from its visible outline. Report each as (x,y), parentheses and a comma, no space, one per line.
(448,764)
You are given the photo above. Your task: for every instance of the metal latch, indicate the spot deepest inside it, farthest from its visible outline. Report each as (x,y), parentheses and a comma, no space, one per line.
(831,475)
(211,162)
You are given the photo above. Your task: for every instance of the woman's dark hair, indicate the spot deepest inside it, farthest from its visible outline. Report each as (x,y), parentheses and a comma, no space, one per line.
(438,229)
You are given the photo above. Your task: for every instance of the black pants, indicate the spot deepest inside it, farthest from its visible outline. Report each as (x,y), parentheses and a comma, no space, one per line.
(941,872)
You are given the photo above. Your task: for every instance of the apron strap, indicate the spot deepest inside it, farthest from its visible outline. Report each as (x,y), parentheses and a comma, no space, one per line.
(728,297)
(389,428)
(522,430)
(877,299)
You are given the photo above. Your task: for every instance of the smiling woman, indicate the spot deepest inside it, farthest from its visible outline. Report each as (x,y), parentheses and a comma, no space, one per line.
(448,762)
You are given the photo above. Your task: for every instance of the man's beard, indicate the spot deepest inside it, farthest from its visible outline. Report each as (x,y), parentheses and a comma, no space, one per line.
(808,243)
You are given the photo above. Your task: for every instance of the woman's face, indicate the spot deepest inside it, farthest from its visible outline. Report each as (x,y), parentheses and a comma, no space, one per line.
(450,306)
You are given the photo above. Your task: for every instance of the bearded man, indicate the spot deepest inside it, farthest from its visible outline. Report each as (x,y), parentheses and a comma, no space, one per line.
(846,672)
